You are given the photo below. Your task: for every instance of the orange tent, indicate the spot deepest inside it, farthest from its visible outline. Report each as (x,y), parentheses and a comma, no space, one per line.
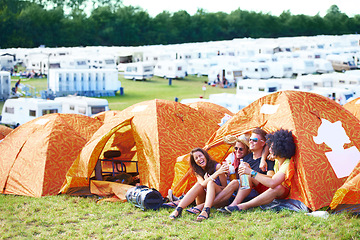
(347,197)
(36,155)
(354,107)
(327,138)
(211,110)
(4,131)
(106,115)
(151,133)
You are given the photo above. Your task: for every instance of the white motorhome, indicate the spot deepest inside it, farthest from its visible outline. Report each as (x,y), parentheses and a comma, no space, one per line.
(6,62)
(323,66)
(303,66)
(281,69)
(340,95)
(300,84)
(17,111)
(257,86)
(200,66)
(5,85)
(171,69)
(231,73)
(82,105)
(256,70)
(138,70)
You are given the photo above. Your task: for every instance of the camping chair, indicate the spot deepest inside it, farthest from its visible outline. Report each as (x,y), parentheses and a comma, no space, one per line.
(113,157)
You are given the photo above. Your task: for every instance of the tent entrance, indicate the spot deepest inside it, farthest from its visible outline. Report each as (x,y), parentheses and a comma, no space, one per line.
(118,159)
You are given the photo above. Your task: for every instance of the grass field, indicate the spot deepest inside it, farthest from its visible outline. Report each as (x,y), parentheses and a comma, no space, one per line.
(67,217)
(138,91)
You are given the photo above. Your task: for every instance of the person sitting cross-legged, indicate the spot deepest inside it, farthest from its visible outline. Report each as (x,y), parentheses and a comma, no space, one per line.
(281,147)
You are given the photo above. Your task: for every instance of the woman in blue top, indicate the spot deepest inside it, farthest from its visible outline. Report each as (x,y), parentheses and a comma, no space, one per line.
(211,179)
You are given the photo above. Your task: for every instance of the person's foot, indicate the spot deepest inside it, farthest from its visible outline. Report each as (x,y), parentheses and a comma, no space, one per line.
(194,210)
(231,209)
(205,214)
(176,213)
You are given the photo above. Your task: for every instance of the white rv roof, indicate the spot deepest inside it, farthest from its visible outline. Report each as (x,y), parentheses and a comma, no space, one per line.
(82,100)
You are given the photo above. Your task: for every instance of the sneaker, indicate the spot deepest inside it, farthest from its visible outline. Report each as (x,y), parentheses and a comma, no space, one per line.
(171,196)
(231,209)
(223,210)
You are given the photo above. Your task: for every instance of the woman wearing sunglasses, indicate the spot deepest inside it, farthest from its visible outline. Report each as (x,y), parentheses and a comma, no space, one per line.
(211,179)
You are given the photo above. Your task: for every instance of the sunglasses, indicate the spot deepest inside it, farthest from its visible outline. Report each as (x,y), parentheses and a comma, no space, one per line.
(238,148)
(253,139)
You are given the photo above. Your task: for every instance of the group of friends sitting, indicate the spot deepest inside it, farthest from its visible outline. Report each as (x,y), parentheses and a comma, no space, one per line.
(266,159)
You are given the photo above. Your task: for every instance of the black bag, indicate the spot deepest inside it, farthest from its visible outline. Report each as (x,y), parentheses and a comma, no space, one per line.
(144,197)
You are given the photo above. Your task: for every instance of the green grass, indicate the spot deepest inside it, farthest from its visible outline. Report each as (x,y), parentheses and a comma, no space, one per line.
(138,91)
(66,217)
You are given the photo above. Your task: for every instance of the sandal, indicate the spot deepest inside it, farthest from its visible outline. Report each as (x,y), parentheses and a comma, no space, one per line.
(231,209)
(193,210)
(202,217)
(178,210)
(169,205)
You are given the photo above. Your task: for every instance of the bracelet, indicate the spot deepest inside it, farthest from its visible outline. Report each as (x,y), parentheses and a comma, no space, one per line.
(212,178)
(253,173)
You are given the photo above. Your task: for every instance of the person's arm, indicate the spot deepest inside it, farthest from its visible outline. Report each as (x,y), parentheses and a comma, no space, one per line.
(264,156)
(221,169)
(265,179)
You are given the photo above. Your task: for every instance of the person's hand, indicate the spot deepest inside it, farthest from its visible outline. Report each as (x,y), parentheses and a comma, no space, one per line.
(263,166)
(271,157)
(224,169)
(244,169)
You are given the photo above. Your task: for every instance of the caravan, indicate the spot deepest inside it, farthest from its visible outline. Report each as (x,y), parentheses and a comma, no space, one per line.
(82,105)
(256,70)
(138,70)
(170,69)
(21,110)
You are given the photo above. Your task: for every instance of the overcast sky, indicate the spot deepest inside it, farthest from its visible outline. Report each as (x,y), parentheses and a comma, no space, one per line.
(275,7)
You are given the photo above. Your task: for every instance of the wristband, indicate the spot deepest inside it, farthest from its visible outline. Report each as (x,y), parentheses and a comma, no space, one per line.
(253,173)
(212,178)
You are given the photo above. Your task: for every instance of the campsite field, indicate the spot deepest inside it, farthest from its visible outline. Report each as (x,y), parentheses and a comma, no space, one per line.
(138,91)
(66,217)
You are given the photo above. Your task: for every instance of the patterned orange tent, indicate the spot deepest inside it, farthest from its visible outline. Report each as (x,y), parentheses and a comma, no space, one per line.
(4,131)
(106,115)
(347,197)
(36,155)
(354,107)
(151,133)
(327,137)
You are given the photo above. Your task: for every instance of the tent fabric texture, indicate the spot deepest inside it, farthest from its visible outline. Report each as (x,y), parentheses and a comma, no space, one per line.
(4,131)
(347,197)
(354,107)
(152,134)
(326,135)
(36,155)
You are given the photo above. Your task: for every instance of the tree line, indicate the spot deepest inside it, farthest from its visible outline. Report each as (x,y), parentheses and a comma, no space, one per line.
(47,22)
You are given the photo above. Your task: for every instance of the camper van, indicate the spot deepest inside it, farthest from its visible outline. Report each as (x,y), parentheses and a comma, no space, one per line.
(218,72)
(300,84)
(138,70)
(5,85)
(256,70)
(256,86)
(323,66)
(170,69)
(341,63)
(303,66)
(82,105)
(17,111)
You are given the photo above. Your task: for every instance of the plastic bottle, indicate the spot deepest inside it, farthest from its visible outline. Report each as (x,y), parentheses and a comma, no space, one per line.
(244,178)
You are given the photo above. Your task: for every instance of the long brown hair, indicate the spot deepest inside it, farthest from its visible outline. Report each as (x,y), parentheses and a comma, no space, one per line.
(210,163)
